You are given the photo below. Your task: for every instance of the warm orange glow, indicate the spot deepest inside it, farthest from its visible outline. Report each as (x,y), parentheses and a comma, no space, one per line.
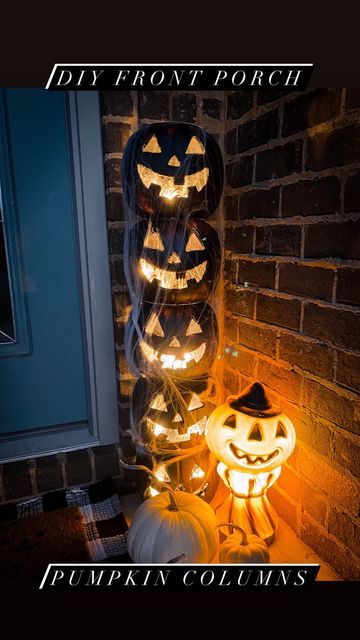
(172,279)
(194,243)
(197,472)
(195,402)
(153,326)
(153,240)
(195,146)
(193,328)
(169,360)
(246,484)
(159,403)
(152,146)
(168,189)
(173,435)
(157,429)
(162,474)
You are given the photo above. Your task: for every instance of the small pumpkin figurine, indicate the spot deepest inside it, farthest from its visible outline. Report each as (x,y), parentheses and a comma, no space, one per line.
(173,524)
(240,548)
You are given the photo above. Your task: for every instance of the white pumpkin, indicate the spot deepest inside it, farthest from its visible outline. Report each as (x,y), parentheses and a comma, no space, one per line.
(173,525)
(239,548)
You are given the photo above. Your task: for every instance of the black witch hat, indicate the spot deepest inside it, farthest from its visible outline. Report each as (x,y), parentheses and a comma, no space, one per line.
(254,402)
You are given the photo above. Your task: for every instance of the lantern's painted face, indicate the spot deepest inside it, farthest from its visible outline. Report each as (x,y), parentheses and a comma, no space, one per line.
(179,339)
(173,167)
(179,263)
(171,417)
(247,443)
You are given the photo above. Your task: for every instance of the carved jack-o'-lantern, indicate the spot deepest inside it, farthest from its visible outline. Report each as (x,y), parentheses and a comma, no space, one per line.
(194,473)
(172,168)
(169,417)
(177,262)
(180,340)
(252,439)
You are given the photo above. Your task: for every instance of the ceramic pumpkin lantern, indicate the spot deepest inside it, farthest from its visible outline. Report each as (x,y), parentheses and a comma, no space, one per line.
(176,340)
(252,439)
(176,261)
(170,169)
(166,416)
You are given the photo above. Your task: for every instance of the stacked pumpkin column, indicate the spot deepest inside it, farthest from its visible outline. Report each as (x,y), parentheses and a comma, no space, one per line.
(172,178)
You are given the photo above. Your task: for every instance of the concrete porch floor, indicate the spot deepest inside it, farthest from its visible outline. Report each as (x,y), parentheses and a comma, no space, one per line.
(286,549)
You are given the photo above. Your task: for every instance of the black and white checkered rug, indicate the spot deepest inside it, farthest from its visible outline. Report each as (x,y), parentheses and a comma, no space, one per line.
(105,524)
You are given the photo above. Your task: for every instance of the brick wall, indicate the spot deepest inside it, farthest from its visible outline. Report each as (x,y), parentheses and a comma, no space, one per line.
(292,289)
(292,241)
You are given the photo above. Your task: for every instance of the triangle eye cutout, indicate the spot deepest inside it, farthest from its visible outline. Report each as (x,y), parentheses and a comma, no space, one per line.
(255,432)
(280,431)
(194,243)
(153,240)
(193,328)
(159,403)
(230,422)
(195,402)
(195,146)
(152,146)
(153,326)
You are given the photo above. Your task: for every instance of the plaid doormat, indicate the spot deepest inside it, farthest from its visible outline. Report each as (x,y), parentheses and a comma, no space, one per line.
(100,506)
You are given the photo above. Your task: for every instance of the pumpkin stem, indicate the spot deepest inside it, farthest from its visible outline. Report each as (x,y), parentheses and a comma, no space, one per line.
(244,540)
(140,467)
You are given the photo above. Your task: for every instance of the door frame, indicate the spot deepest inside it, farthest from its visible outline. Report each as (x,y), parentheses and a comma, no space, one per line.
(90,226)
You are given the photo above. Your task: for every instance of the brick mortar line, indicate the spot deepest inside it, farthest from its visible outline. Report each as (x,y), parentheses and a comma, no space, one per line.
(334,287)
(334,428)
(322,263)
(284,365)
(327,497)
(92,464)
(335,362)
(342,101)
(110,190)
(296,220)
(302,311)
(259,324)
(293,178)
(333,538)
(266,146)
(108,119)
(259,110)
(328,126)
(113,155)
(271,293)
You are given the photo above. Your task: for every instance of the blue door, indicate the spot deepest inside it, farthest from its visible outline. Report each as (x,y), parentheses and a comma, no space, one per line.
(42,345)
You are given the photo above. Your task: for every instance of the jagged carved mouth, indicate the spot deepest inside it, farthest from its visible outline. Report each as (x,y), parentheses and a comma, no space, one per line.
(252,460)
(173,435)
(169,360)
(172,279)
(168,188)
